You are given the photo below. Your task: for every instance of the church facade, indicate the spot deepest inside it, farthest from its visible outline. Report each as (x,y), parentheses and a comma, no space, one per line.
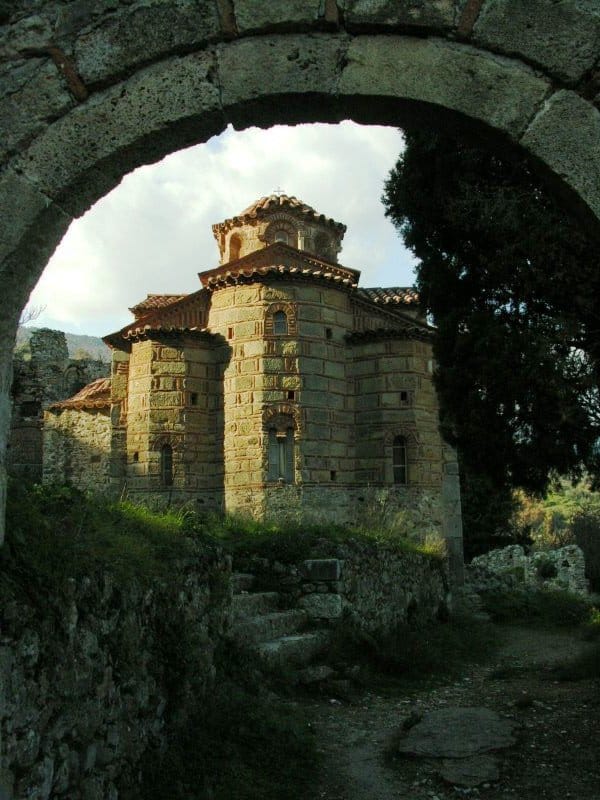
(279,384)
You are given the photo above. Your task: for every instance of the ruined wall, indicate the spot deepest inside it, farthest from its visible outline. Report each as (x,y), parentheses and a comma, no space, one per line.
(43,375)
(91,680)
(77,448)
(509,567)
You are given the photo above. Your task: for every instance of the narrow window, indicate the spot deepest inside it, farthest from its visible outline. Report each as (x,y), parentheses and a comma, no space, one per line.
(235,246)
(328,333)
(404,399)
(136,457)
(281,455)
(166,465)
(399,461)
(291,395)
(230,333)
(193,398)
(280,323)
(333,475)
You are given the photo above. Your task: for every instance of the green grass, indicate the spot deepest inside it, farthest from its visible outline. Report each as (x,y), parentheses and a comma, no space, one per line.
(56,533)
(290,541)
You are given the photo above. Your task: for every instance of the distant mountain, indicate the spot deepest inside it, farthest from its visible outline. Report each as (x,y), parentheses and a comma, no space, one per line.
(77,344)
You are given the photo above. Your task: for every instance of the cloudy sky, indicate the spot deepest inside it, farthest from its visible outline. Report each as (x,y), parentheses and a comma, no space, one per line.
(153,232)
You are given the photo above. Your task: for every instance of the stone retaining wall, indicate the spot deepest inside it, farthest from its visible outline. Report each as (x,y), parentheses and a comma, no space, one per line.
(375,586)
(91,680)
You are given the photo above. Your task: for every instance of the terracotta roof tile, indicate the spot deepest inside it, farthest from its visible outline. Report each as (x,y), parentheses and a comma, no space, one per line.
(396,295)
(155,301)
(95,395)
(279,259)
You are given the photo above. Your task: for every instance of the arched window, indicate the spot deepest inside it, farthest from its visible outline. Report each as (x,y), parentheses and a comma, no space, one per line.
(399,460)
(166,465)
(281,236)
(281,455)
(280,322)
(235,246)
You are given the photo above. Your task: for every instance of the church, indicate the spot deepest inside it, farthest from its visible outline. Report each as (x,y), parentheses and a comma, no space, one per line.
(280,384)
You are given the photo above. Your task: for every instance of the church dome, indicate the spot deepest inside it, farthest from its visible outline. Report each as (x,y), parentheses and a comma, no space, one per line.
(279,218)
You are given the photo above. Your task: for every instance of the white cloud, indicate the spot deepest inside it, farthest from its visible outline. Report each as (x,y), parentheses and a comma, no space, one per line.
(153,232)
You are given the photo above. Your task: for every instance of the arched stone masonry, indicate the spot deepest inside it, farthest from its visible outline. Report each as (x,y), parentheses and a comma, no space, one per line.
(89,94)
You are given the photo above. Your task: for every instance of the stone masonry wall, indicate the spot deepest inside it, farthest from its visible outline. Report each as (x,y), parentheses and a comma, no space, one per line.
(77,448)
(371,585)
(90,680)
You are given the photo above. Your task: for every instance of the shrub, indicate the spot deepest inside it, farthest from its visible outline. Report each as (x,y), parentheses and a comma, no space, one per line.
(416,653)
(546,606)
(236,745)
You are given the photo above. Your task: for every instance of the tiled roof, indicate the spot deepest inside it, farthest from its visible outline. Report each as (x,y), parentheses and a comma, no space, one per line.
(147,330)
(184,313)
(279,259)
(396,295)
(95,395)
(275,202)
(155,301)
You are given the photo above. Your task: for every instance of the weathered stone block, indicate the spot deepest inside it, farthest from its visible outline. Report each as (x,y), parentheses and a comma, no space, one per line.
(563,38)
(322,569)
(383,14)
(322,606)
(32,92)
(298,65)
(457,77)
(563,134)
(255,15)
(144,33)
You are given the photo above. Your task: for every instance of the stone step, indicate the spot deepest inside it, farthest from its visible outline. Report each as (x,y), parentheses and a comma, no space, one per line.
(266,627)
(293,651)
(253,604)
(242,581)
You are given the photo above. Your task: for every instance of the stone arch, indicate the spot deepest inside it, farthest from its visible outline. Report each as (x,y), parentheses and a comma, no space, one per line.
(282,224)
(291,312)
(521,74)
(272,413)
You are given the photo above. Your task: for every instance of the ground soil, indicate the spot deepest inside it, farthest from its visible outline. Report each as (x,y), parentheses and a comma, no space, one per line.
(558,751)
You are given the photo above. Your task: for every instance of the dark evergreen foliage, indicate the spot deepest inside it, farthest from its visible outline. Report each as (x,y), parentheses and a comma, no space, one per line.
(512,284)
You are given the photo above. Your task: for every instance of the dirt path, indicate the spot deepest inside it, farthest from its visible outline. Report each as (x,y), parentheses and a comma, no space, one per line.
(558,751)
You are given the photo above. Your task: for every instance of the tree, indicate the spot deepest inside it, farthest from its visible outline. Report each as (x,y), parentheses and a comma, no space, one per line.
(511,283)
